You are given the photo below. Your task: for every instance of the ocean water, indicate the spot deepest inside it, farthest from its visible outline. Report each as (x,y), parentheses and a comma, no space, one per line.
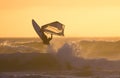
(83,47)
(22,45)
(63,58)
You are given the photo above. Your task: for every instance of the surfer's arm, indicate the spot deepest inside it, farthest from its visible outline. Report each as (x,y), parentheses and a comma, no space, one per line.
(50,37)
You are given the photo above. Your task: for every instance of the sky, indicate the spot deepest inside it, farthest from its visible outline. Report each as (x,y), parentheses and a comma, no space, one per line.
(82,18)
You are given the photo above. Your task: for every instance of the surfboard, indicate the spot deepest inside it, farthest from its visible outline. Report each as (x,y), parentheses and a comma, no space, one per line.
(36,28)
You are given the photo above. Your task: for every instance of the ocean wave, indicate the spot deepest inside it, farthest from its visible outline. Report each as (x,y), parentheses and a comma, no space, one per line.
(27,55)
(89,49)
(8,46)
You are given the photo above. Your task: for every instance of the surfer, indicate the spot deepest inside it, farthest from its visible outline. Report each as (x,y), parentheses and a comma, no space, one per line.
(44,38)
(54,28)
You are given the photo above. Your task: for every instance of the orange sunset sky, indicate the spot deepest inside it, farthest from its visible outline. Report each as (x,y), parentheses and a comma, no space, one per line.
(82,18)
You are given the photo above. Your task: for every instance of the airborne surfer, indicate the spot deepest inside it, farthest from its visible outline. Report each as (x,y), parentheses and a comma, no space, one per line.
(54,28)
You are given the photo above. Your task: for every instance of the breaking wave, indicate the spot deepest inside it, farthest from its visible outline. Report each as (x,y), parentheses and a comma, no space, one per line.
(62,54)
(89,49)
